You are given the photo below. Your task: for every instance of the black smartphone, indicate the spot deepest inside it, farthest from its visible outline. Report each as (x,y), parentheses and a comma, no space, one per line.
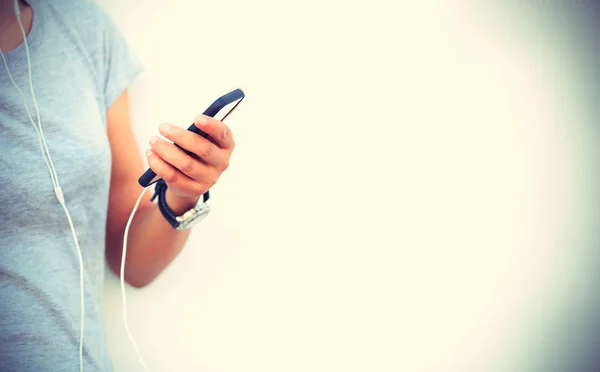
(219,110)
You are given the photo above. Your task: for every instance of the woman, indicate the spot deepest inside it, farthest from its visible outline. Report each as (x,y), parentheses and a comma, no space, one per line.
(80,70)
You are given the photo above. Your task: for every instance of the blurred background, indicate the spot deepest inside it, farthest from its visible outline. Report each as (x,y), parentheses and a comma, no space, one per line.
(414,186)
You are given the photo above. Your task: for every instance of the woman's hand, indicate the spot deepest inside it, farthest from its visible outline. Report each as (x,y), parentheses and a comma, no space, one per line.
(187,177)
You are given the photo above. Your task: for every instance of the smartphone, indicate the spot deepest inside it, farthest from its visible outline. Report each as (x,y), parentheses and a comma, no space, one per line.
(219,110)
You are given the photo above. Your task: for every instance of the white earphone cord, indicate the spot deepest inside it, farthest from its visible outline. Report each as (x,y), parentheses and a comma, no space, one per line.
(60,196)
(52,170)
(122,277)
(37,110)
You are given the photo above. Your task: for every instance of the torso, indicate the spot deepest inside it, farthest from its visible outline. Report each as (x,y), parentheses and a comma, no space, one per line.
(39,266)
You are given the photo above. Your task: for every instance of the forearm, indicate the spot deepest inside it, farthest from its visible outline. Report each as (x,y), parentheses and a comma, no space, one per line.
(152,243)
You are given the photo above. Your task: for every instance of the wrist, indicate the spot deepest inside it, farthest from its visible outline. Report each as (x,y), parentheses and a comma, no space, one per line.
(178,204)
(181,212)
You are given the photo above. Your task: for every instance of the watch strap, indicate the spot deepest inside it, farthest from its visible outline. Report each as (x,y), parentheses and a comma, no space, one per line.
(160,193)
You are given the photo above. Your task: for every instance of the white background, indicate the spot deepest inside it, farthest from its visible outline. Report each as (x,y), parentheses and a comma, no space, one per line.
(405,194)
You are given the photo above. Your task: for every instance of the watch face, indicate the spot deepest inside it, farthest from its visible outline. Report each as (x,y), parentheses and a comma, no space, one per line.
(192,217)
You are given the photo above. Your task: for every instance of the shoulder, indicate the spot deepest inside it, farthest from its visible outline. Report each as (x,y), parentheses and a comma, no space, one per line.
(93,31)
(85,18)
(76,13)
(86,22)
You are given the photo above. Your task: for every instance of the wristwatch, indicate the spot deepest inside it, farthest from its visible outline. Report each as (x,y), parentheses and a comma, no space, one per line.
(189,218)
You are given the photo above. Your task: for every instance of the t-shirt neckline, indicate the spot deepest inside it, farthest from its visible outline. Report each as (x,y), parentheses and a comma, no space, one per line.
(19,52)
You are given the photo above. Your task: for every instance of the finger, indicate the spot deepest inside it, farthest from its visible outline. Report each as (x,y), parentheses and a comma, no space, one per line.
(176,157)
(171,175)
(217,130)
(198,145)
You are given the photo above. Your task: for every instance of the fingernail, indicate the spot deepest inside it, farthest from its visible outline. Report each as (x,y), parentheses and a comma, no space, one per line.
(153,140)
(148,152)
(201,120)
(164,127)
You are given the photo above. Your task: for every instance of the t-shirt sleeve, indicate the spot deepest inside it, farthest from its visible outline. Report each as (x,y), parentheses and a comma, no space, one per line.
(121,66)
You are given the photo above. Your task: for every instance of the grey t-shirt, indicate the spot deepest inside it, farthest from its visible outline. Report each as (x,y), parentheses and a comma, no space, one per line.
(80,65)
